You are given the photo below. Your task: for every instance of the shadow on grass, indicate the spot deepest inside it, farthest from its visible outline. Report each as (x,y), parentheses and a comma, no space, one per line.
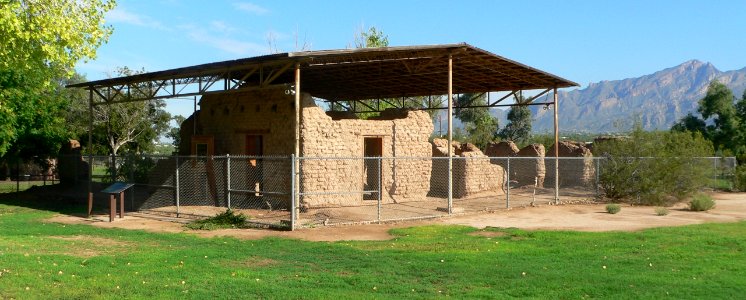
(58,198)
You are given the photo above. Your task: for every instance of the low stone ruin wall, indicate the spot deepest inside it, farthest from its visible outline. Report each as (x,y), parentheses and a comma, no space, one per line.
(473,173)
(579,172)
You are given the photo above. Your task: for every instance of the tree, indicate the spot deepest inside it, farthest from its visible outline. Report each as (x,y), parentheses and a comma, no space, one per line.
(174,132)
(41,42)
(720,121)
(519,128)
(480,125)
(137,124)
(372,38)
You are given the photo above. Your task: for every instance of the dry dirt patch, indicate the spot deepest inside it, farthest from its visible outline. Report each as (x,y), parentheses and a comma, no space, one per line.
(730,207)
(484,233)
(86,245)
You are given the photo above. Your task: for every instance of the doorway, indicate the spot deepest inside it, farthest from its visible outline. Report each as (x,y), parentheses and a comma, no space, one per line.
(372,150)
(255,147)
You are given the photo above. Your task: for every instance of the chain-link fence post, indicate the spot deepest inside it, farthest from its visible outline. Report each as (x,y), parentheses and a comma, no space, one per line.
(293,213)
(133,165)
(380,189)
(228,179)
(507,184)
(113,167)
(18,176)
(176,185)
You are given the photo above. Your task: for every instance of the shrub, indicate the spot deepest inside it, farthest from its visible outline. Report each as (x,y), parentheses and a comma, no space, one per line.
(701,202)
(739,180)
(661,211)
(227,219)
(613,208)
(654,168)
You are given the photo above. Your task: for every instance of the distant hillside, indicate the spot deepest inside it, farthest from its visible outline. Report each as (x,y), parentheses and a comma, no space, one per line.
(657,100)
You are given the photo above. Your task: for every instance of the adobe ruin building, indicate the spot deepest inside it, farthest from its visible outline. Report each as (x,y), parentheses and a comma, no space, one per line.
(263,107)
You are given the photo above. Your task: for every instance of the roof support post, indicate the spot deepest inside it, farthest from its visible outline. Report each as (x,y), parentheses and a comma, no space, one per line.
(450,133)
(556,147)
(296,163)
(90,152)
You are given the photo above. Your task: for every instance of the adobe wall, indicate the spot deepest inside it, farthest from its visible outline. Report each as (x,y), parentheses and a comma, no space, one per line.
(229,118)
(473,173)
(573,172)
(529,166)
(270,113)
(403,133)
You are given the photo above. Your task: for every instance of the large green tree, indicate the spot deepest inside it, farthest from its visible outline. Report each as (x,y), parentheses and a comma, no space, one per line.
(480,125)
(42,40)
(519,127)
(133,126)
(720,119)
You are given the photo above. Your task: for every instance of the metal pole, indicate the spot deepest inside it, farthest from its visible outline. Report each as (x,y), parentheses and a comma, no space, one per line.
(380,189)
(296,153)
(556,148)
(18,176)
(194,120)
(228,179)
(507,183)
(292,192)
(132,179)
(450,133)
(90,151)
(176,185)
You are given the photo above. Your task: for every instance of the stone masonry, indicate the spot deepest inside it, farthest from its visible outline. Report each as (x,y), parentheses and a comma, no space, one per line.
(473,173)
(573,172)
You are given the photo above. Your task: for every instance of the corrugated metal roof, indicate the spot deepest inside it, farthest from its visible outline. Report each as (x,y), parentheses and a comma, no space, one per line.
(370,73)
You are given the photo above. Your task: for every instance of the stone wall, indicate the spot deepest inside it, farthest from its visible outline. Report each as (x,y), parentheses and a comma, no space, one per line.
(473,173)
(573,172)
(70,166)
(335,136)
(403,134)
(529,168)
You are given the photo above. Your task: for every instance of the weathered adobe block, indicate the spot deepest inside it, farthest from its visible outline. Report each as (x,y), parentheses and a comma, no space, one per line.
(473,173)
(402,133)
(572,172)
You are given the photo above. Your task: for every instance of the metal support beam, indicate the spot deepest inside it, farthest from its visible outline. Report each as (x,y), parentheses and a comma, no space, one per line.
(90,152)
(450,134)
(296,153)
(556,148)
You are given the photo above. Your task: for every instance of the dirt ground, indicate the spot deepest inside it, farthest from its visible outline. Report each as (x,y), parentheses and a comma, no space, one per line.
(730,207)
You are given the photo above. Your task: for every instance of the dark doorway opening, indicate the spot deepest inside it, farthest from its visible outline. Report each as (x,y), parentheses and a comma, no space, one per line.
(255,149)
(372,150)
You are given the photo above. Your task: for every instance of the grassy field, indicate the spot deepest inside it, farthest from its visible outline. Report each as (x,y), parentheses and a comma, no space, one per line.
(55,261)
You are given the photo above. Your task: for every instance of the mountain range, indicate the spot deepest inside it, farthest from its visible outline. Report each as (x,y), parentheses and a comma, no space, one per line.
(656,101)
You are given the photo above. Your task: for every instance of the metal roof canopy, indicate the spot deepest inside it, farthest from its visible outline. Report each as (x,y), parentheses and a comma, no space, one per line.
(339,75)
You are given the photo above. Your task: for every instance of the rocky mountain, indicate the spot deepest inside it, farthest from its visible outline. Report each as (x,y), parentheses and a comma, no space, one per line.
(657,100)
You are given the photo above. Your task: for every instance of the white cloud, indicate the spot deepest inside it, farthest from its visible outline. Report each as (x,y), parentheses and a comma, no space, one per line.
(250,8)
(226,44)
(220,26)
(121,15)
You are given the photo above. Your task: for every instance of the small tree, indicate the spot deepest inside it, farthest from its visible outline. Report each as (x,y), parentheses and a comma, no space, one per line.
(654,168)
(519,126)
(479,124)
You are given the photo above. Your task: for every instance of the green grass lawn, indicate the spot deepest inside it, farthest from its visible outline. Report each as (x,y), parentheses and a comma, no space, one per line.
(55,261)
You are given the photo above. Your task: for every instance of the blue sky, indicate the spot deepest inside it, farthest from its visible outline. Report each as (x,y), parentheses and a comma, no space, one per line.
(584,41)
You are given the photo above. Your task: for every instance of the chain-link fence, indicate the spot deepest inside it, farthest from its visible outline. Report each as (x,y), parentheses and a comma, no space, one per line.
(312,191)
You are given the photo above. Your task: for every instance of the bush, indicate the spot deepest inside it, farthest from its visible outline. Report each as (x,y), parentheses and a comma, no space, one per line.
(661,211)
(613,208)
(739,180)
(227,219)
(654,168)
(701,202)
